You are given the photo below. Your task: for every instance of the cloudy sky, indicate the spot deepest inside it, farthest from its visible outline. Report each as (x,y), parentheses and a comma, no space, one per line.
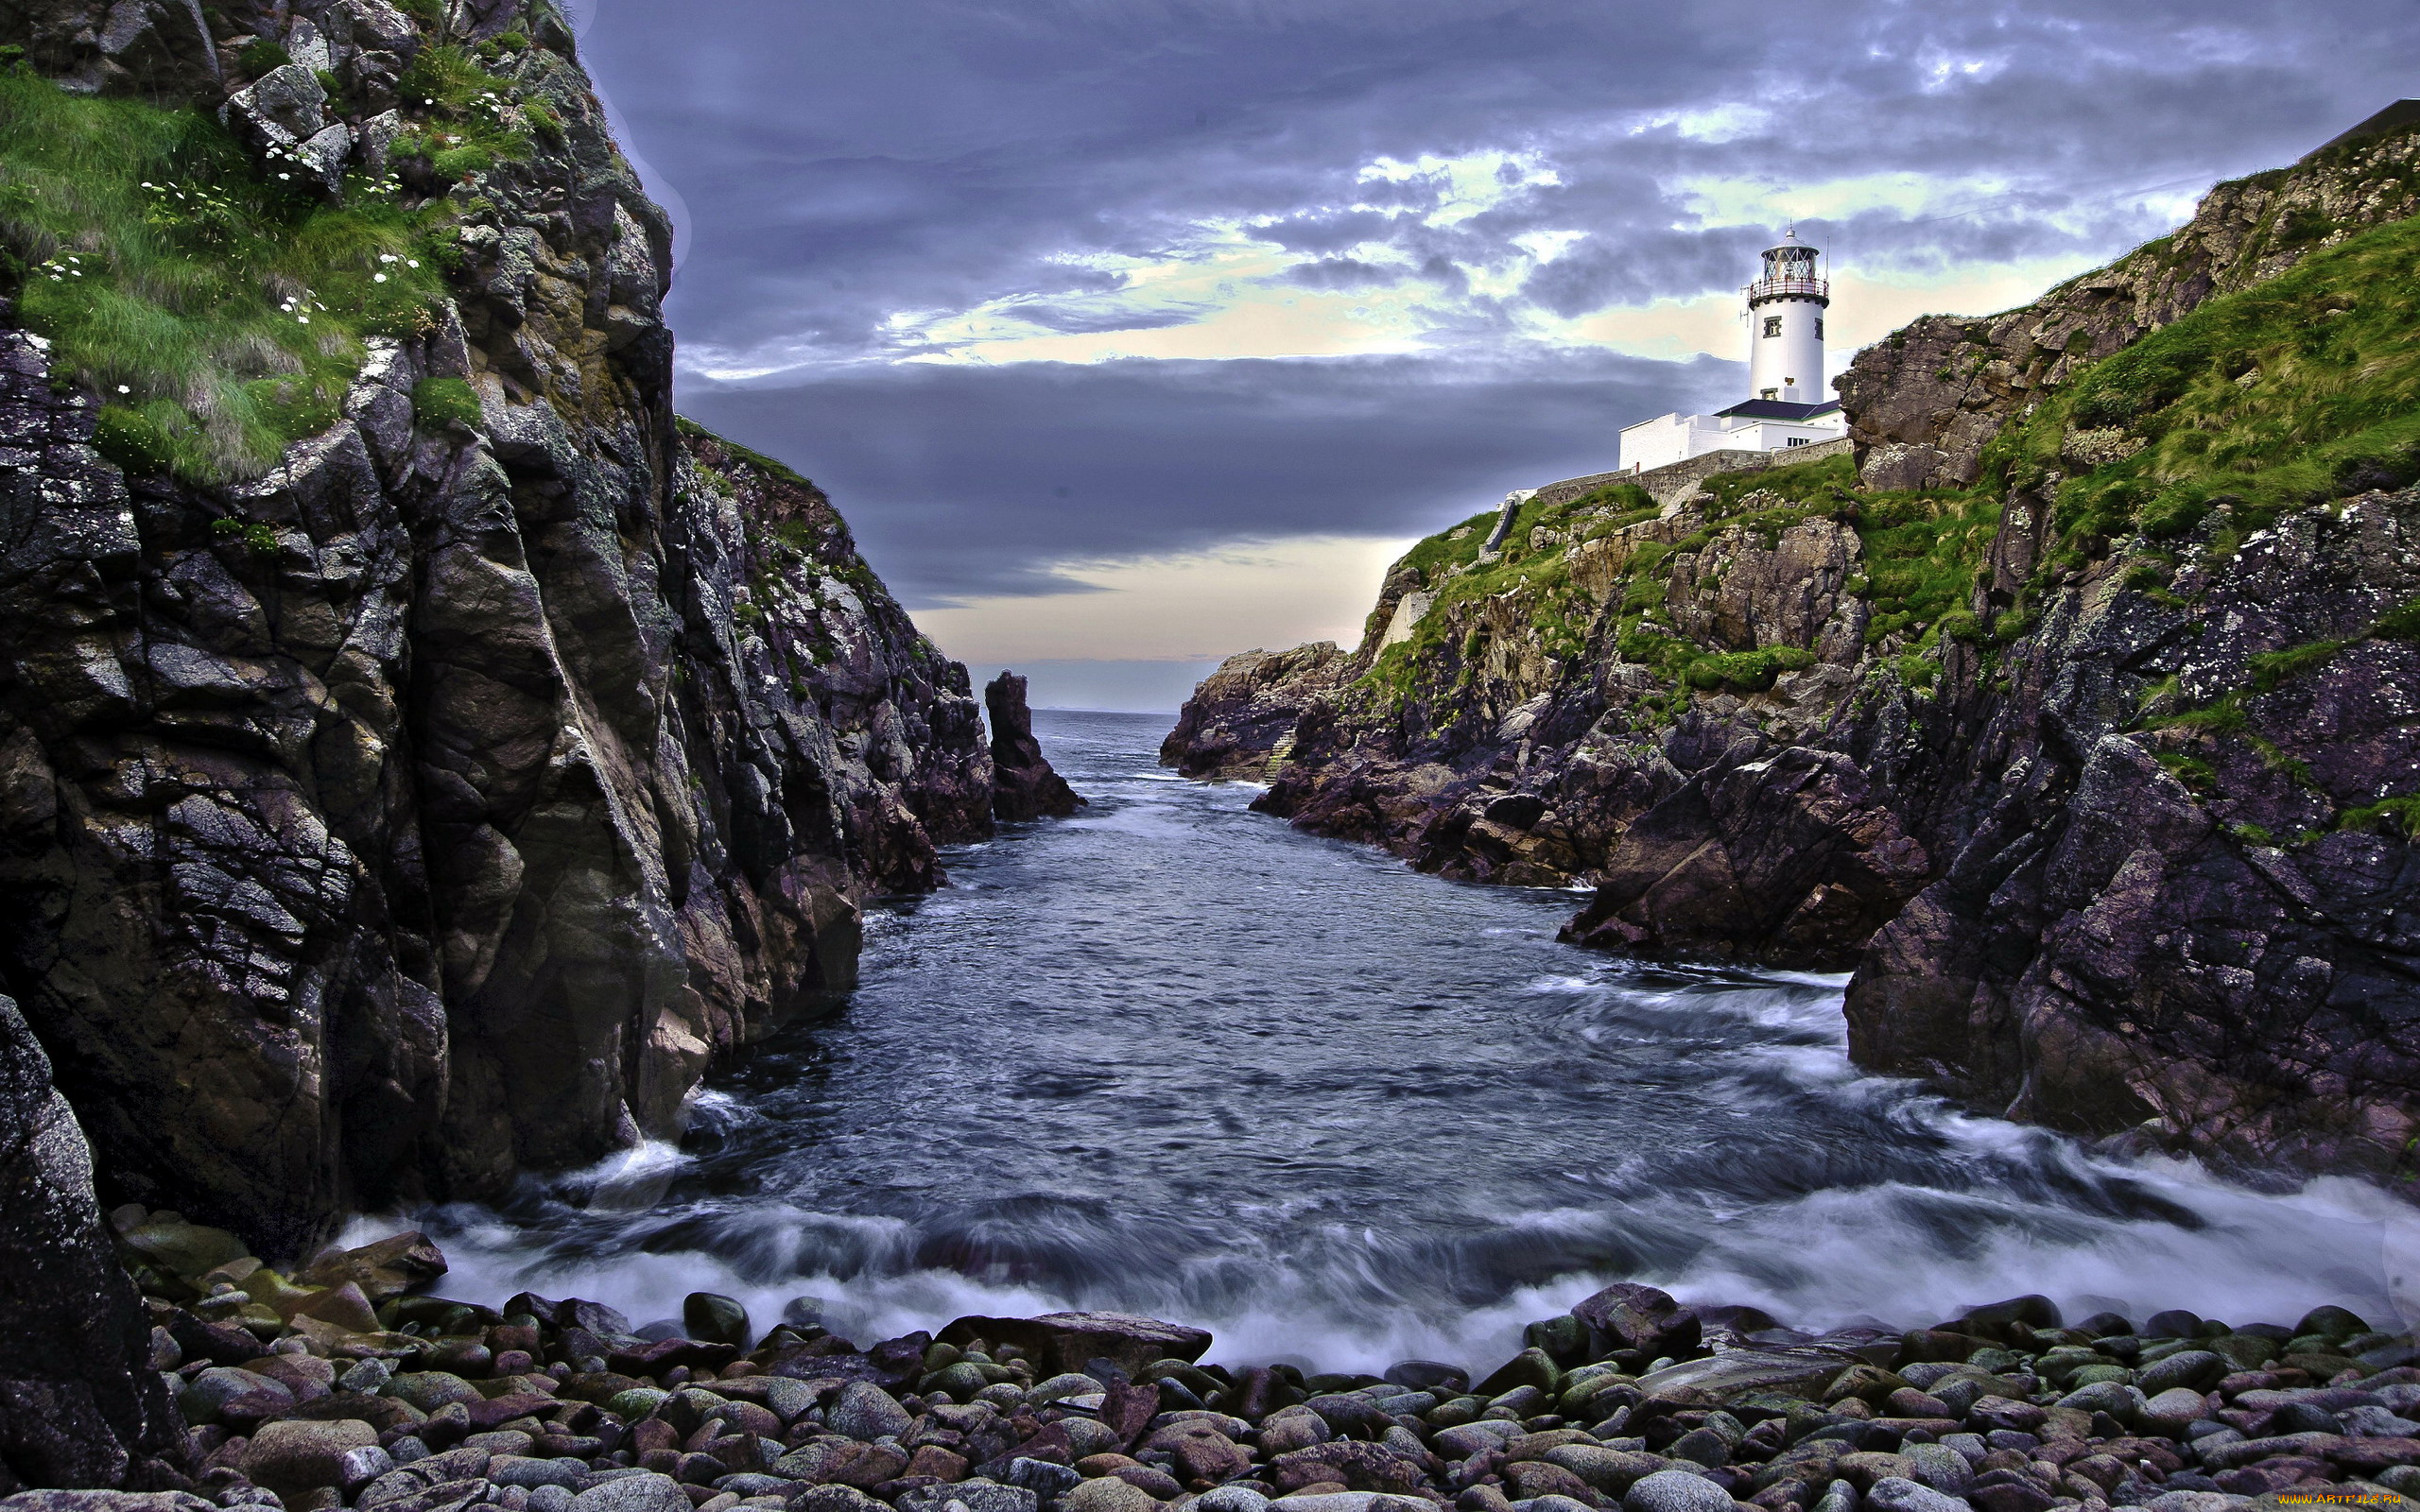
(1132,332)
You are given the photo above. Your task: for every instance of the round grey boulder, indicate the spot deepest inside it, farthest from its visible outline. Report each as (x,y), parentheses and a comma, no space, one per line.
(1232,1499)
(2197,1369)
(1896,1493)
(1548,1502)
(833,1499)
(2119,1402)
(201,1398)
(2173,1410)
(1675,1492)
(1045,1478)
(2196,1502)
(649,1492)
(1106,1493)
(1940,1467)
(1070,1385)
(865,1412)
(975,1496)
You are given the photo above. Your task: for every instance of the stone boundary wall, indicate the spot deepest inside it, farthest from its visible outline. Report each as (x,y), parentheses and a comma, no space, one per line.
(1670,484)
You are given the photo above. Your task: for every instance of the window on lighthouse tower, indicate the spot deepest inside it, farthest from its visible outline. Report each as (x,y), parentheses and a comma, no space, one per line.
(1772,325)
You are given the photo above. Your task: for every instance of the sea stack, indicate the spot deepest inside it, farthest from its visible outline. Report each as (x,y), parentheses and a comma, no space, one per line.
(1024,786)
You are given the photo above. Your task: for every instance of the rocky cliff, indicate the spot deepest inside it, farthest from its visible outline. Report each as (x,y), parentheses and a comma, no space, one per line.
(418,753)
(80,1403)
(2072,713)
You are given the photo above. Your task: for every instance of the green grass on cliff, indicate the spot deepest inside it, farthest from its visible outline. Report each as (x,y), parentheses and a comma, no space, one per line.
(2303,390)
(769,466)
(217,309)
(1448,563)
(469,121)
(1923,553)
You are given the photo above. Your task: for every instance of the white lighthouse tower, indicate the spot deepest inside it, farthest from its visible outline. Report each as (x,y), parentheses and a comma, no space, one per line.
(1786,324)
(1786,404)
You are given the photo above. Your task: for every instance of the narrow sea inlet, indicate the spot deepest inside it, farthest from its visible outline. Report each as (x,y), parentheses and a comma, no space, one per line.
(1173,1057)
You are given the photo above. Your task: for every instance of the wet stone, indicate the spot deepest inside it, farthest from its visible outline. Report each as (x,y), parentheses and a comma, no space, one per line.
(290,1457)
(2196,1369)
(1896,1494)
(1107,1494)
(1675,1492)
(866,1411)
(635,1493)
(1938,1466)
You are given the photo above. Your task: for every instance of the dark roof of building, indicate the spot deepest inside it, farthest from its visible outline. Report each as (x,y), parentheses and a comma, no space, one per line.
(1779,409)
(2401,113)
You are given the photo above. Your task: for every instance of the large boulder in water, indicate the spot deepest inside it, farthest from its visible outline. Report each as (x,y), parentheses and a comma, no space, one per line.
(383,1270)
(1630,1316)
(1070,1341)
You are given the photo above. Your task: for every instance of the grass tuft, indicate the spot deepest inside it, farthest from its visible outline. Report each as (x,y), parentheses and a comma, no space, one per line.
(2271,668)
(442,403)
(2400,813)
(217,312)
(2400,624)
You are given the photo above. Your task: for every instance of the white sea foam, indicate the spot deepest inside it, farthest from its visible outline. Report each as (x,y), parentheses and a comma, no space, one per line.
(1564,986)
(1924,1207)
(1889,1251)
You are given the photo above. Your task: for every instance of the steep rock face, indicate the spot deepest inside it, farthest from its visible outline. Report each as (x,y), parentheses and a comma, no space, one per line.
(135,46)
(432,807)
(1243,712)
(2101,772)
(1777,855)
(80,1402)
(2119,939)
(1023,784)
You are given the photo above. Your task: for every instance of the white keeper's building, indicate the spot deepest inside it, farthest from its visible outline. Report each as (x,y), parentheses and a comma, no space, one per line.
(1789,406)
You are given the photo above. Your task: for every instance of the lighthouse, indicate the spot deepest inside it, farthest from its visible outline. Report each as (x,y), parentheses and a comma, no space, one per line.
(1786,324)
(1787,403)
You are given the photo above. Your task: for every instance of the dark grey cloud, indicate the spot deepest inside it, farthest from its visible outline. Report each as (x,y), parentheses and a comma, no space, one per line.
(972,480)
(1341,273)
(1084,320)
(846,164)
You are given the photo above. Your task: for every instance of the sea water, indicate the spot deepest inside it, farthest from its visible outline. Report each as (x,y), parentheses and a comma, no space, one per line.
(1174,1058)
